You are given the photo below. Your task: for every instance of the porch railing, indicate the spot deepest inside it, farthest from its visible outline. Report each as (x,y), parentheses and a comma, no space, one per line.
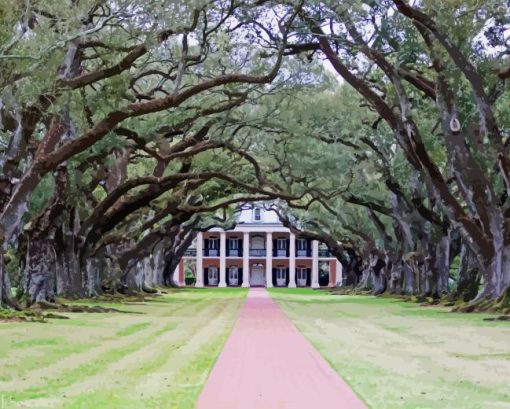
(211,252)
(233,253)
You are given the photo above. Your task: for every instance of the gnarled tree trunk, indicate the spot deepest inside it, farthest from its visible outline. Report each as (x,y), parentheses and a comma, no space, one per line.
(39,271)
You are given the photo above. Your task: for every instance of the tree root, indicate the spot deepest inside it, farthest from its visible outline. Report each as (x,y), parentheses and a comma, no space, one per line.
(28,316)
(119,298)
(149,290)
(56,316)
(503,301)
(498,318)
(36,312)
(349,291)
(8,315)
(44,305)
(501,304)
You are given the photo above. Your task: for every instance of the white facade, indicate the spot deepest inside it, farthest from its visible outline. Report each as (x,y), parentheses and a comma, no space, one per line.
(256,214)
(260,251)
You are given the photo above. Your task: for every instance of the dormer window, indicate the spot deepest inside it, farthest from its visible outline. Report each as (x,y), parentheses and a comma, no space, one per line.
(256,214)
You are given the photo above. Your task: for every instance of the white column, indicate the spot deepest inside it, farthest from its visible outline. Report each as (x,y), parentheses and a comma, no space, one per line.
(269,260)
(176,275)
(200,265)
(223,263)
(246,259)
(292,261)
(315,264)
(339,274)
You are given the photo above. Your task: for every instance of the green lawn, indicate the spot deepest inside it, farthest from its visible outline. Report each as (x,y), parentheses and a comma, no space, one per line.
(157,358)
(399,355)
(393,354)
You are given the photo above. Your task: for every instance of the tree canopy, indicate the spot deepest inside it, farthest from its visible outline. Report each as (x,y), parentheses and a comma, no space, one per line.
(379,128)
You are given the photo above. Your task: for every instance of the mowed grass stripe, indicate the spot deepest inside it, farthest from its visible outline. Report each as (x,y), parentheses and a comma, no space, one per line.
(58,372)
(197,356)
(36,379)
(399,355)
(133,349)
(155,351)
(191,378)
(156,382)
(133,329)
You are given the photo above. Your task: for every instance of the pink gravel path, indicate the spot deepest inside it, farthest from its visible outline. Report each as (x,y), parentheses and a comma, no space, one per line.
(266,363)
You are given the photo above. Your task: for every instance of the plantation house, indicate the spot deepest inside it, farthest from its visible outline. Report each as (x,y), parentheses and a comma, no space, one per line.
(259,251)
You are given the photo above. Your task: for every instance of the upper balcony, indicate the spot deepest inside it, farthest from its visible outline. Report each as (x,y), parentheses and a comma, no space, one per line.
(280,247)
(234,253)
(302,253)
(211,252)
(257,252)
(280,252)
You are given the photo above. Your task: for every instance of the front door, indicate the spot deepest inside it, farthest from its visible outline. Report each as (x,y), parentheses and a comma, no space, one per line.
(301,277)
(233,276)
(281,276)
(213,276)
(257,276)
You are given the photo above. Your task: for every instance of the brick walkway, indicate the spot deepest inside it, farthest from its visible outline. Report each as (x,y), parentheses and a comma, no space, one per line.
(266,363)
